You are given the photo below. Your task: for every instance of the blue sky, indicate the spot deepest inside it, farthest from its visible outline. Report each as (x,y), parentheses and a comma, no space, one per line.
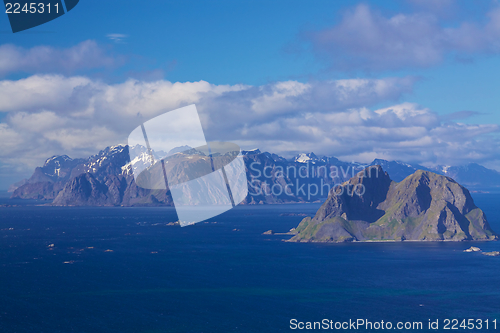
(408,80)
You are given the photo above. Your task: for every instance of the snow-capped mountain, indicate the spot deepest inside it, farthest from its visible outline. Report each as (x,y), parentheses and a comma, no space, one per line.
(55,169)
(306,158)
(314,159)
(106,178)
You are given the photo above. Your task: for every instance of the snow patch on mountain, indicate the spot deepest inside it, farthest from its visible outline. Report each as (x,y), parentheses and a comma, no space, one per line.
(305,158)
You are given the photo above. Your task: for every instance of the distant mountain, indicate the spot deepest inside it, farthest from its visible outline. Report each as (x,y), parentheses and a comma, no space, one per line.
(304,158)
(16,185)
(271,178)
(397,170)
(179,149)
(471,175)
(313,158)
(47,181)
(274,179)
(370,206)
(107,178)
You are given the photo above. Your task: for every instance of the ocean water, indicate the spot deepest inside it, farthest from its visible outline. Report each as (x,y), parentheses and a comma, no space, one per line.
(125,270)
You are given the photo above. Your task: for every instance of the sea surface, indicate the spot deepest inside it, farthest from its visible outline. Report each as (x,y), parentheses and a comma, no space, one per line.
(70,269)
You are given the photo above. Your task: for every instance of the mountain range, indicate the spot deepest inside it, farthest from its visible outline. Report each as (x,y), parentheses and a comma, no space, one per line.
(106,179)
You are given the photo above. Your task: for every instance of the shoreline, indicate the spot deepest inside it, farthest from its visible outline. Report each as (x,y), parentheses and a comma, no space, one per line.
(393,241)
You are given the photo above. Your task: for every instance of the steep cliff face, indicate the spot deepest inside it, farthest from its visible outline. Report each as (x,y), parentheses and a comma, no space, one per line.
(84,189)
(353,202)
(38,190)
(423,206)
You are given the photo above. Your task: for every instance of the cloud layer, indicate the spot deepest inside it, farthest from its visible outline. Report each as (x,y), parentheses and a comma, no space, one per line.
(54,114)
(47,59)
(365,39)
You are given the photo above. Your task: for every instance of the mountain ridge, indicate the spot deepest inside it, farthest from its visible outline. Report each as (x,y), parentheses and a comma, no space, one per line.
(112,165)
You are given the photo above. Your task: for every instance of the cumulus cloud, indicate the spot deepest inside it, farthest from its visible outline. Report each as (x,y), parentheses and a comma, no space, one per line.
(53,114)
(405,132)
(365,39)
(47,59)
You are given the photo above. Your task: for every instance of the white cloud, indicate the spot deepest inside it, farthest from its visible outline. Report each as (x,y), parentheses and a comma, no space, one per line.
(53,114)
(42,92)
(117,38)
(37,122)
(47,59)
(11,140)
(365,39)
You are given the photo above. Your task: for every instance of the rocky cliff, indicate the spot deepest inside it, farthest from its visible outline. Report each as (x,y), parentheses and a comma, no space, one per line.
(424,206)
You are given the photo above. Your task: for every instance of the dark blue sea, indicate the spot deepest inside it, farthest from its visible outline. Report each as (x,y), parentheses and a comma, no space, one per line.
(68,269)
